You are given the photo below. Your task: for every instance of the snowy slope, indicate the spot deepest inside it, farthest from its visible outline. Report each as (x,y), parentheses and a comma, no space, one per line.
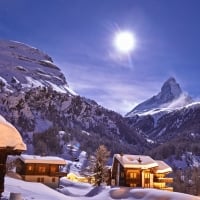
(158,113)
(170,124)
(35,97)
(164,124)
(30,191)
(170,96)
(23,67)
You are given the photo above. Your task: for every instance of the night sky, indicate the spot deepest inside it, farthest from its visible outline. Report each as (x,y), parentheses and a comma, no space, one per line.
(78,35)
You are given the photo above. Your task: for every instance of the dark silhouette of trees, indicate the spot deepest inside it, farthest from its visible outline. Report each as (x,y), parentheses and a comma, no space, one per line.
(187,180)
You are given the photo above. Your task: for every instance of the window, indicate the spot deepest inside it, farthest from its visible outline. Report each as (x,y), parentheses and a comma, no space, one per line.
(133,185)
(133,175)
(146,175)
(53,169)
(41,180)
(147,180)
(133,178)
(41,169)
(30,167)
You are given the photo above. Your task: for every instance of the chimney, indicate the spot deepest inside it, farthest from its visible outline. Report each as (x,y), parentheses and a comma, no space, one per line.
(139,160)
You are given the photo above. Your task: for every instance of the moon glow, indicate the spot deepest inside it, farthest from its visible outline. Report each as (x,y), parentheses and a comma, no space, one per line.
(124,41)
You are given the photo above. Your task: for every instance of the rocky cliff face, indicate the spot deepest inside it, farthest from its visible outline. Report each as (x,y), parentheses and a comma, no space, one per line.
(23,67)
(36,98)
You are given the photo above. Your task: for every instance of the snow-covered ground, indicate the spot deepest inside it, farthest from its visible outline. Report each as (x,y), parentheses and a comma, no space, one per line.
(81,191)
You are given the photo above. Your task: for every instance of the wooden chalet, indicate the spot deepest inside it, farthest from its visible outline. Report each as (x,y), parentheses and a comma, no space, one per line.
(140,171)
(44,169)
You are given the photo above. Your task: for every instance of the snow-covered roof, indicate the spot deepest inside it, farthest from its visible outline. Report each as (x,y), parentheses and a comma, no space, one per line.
(42,159)
(10,137)
(142,162)
(136,161)
(163,167)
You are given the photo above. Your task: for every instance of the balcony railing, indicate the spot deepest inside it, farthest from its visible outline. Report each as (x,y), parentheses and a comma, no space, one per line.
(160,187)
(163,180)
(168,189)
(58,174)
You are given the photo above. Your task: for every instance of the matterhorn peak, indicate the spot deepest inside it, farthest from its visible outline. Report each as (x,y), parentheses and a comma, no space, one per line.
(170,92)
(171,87)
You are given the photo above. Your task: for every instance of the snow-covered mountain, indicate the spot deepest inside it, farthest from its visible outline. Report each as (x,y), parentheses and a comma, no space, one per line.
(23,67)
(170,96)
(35,98)
(170,124)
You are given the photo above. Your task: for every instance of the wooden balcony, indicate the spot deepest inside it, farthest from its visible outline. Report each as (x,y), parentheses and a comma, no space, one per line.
(170,189)
(163,180)
(161,187)
(58,174)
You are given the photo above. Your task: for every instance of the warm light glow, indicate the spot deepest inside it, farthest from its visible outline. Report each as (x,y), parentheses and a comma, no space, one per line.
(124,41)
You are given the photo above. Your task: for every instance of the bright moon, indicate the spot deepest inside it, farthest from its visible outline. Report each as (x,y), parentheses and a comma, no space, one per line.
(124,41)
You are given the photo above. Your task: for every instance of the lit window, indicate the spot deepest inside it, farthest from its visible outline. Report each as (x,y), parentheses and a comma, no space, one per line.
(40,180)
(30,168)
(133,185)
(41,169)
(53,168)
(133,175)
(146,175)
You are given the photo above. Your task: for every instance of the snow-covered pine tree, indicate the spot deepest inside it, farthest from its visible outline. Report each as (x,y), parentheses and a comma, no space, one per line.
(99,164)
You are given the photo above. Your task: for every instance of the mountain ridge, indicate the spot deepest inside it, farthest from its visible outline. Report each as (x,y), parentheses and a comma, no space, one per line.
(35,98)
(171,95)
(54,121)
(42,110)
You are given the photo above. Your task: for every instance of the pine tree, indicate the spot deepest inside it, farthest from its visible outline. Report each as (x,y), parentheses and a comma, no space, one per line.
(99,164)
